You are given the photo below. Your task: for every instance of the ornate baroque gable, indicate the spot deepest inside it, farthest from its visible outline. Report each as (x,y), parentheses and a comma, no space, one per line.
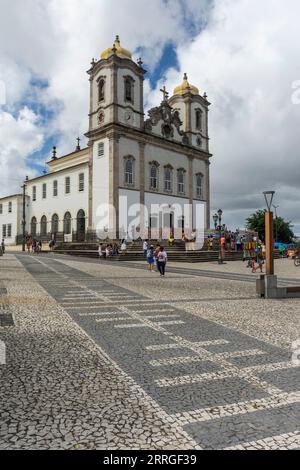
(167,119)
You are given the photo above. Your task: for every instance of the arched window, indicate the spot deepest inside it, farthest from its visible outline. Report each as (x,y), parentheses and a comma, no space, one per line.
(129,171)
(44,225)
(180,180)
(67,223)
(128,89)
(54,223)
(168,176)
(154,175)
(199,185)
(101,90)
(33,226)
(198,119)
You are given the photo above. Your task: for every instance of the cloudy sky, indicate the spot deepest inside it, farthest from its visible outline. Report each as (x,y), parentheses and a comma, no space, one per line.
(243,53)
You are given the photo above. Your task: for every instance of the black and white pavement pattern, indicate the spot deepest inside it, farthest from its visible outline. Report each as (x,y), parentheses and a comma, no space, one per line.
(207,386)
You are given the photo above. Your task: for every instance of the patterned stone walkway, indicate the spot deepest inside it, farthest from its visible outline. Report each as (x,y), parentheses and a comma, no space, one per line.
(223,388)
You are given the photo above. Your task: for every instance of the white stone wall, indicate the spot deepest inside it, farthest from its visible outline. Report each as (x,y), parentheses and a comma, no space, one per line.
(129,147)
(157,129)
(165,157)
(123,72)
(61,203)
(180,106)
(194,106)
(130,114)
(180,207)
(107,73)
(13,218)
(129,201)
(200,216)
(199,167)
(100,189)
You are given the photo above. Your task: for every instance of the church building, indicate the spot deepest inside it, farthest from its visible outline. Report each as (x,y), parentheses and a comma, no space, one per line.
(156,163)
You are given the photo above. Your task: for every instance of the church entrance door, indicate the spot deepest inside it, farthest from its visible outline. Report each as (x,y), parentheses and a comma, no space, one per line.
(81,226)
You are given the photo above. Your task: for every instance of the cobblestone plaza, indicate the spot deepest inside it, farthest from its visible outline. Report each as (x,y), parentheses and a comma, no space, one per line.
(106,355)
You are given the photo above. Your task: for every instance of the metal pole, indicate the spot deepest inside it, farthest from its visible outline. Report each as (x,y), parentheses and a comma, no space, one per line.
(220,247)
(276,222)
(23,220)
(269,243)
(220,244)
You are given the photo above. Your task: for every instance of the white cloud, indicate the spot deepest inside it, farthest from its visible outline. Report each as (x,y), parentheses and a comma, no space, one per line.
(21,137)
(246,59)
(55,41)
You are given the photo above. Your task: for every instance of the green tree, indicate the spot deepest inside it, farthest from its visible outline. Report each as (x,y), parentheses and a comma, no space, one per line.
(256,222)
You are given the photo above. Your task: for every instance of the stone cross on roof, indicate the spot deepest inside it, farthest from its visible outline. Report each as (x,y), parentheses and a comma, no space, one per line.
(165,93)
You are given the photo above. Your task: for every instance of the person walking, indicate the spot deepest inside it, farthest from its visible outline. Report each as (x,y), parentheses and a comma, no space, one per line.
(260,260)
(145,248)
(252,264)
(150,258)
(103,250)
(162,261)
(3,246)
(124,246)
(157,250)
(263,250)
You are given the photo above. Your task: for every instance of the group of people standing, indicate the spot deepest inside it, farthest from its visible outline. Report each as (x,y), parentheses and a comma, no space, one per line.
(157,255)
(108,250)
(254,251)
(33,245)
(230,241)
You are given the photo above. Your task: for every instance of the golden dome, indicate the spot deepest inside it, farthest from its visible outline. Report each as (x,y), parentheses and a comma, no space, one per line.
(185,87)
(123,53)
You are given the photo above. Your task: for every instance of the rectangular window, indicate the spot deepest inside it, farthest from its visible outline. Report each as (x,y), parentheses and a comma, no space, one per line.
(4,231)
(1,208)
(180,181)
(34,193)
(9,231)
(168,185)
(55,191)
(154,177)
(181,188)
(44,191)
(81,182)
(68,185)
(168,180)
(10,207)
(199,185)
(101,150)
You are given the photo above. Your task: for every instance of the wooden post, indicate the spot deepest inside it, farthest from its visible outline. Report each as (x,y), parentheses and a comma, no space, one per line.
(269,243)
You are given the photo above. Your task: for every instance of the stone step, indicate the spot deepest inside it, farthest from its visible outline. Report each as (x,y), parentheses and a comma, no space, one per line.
(193,256)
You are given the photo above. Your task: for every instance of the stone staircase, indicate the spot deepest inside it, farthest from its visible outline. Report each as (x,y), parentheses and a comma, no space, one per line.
(135,252)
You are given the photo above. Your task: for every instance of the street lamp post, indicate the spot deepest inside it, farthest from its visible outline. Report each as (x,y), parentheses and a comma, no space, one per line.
(269,237)
(215,219)
(24,215)
(220,213)
(276,223)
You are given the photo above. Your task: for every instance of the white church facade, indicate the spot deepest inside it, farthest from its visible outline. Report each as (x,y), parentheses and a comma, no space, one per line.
(130,162)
